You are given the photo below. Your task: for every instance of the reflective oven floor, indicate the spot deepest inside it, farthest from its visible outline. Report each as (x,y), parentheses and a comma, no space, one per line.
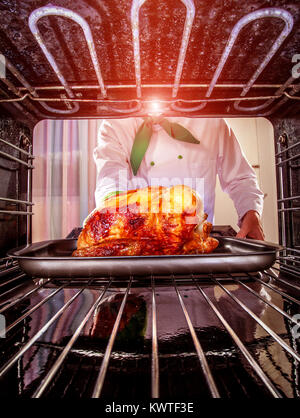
(176,337)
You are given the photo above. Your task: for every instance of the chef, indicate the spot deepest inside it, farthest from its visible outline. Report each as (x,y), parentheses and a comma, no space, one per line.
(139,152)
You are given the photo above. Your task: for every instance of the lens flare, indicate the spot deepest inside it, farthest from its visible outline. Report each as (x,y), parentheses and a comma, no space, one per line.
(154,108)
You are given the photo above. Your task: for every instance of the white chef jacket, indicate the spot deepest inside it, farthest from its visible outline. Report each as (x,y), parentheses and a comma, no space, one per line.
(168,162)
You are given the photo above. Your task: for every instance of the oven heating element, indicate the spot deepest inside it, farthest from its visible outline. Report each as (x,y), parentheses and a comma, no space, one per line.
(137,104)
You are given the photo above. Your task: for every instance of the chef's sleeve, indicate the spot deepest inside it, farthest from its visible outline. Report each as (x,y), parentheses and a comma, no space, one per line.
(237,177)
(111,160)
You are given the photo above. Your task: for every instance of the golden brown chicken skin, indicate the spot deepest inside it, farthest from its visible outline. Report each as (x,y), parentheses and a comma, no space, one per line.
(149,221)
(128,247)
(154,212)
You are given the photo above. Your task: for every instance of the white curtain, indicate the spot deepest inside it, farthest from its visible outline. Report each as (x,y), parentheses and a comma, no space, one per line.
(64,177)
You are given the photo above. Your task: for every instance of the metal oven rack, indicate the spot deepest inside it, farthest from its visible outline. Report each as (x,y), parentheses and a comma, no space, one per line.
(35,309)
(287,164)
(23,159)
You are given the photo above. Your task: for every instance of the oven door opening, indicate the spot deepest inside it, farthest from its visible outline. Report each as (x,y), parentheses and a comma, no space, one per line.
(226,328)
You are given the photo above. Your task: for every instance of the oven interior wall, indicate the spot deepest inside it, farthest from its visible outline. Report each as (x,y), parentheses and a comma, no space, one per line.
(287,152)
(13,183)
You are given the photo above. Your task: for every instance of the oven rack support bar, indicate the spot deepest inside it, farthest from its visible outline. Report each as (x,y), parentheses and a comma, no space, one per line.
(280,91)
(10,157)
(285,268)
(286,199)
(139,101)
(27,202)
(28,154)
(9,264)
(275,276)
(289,209)
(274,289)
(33,309)
(54,369)
(2,259)
(294,250)
(14,288)
(288,202)
(286,97)
(17,90)
(9,270)
(203,362)
(281,162)
(151,86)
(287,260)
(102,373)
(281,196)
(24,296)
(22,202)
(290,270)
(15,357)
(6,262)
(273,334)
(155,361)
(12,280)
(282,151)
(18,106)
(291,258)
(253,363)
(276,308)
(29,197)
(16,212)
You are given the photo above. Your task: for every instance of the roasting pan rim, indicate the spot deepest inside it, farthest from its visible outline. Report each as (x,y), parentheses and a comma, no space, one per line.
(24,252)
(121,266)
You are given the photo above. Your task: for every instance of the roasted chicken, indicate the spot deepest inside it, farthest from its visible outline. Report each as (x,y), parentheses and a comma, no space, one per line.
(148,221)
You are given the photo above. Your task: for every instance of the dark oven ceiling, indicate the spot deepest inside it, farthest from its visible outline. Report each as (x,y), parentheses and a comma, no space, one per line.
(109,58)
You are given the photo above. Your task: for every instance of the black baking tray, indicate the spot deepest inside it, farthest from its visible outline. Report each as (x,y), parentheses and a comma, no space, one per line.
(233,255)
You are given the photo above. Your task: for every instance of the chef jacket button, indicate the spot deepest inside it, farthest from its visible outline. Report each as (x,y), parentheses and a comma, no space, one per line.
(180,157)
(152,163)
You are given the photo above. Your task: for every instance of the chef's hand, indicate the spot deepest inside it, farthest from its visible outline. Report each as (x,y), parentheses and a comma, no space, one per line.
(251,226)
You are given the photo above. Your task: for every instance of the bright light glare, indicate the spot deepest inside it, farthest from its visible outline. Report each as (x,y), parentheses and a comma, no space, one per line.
(155,108)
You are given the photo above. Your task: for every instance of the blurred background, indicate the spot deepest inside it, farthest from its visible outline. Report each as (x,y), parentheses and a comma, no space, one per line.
(64,178)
